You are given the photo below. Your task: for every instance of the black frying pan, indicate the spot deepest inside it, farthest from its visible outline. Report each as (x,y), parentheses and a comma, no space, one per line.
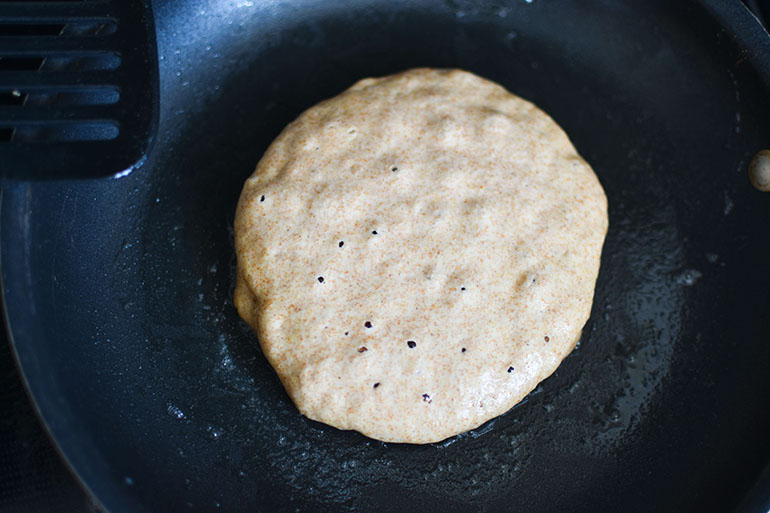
(118,291)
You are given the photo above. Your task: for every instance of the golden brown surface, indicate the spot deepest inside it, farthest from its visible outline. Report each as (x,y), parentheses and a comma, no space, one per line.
(417,253)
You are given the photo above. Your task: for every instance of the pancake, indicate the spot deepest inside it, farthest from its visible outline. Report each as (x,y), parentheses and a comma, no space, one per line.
(418,253)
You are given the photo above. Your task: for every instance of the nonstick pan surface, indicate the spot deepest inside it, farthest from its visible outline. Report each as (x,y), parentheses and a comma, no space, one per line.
(118,291)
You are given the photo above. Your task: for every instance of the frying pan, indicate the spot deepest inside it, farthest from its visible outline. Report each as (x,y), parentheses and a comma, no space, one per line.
(118,291)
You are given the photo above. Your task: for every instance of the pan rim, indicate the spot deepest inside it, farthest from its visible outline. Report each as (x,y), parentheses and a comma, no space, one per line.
(68,450)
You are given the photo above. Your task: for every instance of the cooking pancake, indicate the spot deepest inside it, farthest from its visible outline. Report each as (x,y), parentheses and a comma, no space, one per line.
(418,253)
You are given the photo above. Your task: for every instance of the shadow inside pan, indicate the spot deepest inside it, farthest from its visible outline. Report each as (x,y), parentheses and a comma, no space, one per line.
(159,395)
